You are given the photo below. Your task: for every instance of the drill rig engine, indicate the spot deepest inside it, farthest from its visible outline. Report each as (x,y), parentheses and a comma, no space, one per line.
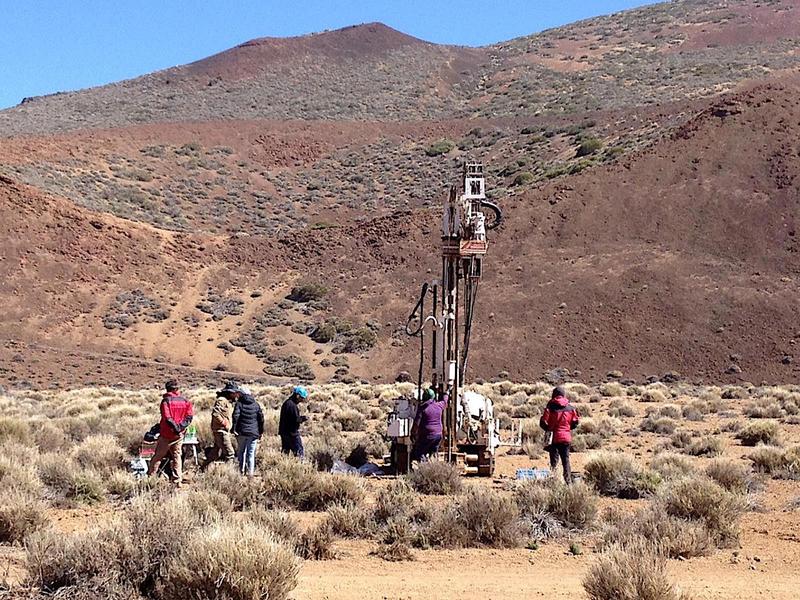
(470,429)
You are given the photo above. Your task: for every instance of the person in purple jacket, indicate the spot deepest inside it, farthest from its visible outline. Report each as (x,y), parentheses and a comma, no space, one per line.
(428,425)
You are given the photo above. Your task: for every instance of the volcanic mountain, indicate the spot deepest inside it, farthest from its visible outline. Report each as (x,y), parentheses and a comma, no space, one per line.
(270,212)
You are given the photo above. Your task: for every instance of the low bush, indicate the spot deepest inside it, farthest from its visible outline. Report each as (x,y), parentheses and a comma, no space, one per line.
(350,521)
(225,479)
(616,474)
(701,499)
(572,506)
(230,562)
(440,147)
(621,408)
(16,476)
(581,442)
(351,420)
(317,542)
(290,483)
(436,478)
(760,432)
(676,537)
(777,462)
(398,499)
(308,292)
(657,424)
(20,515)
(100,452)
(603,426)
(395,543)
(15,430)
(632,572)
(280,525)
(763,408)
(671,466)
(588,146)
(653,395)
(477,518)
(695,411)
(732,475)
(709,445)
(612,389)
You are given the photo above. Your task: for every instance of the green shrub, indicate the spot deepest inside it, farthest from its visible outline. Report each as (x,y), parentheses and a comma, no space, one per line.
(588,146)
(440,147)
(308,292)
(524,178)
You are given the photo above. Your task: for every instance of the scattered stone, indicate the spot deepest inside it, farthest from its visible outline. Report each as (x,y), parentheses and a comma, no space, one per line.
(786,360)
(403,377)
(733,369)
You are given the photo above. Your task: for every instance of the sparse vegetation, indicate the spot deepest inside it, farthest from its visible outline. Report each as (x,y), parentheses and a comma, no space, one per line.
(615,474)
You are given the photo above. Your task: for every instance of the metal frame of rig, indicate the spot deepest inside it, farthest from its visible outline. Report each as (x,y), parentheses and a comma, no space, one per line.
(470,430)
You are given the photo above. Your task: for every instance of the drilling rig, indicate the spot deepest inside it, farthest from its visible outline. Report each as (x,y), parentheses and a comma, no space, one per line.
(470,429)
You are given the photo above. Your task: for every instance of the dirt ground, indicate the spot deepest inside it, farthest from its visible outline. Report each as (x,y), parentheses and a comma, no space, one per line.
(766,566)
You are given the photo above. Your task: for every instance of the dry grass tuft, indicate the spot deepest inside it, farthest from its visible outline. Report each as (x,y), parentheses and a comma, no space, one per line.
(701,499)
(571,506)
(672,466)
(633,572)
(20,515)
(676,537)
(616,474)
(230,562)
(760,432)
(437,478)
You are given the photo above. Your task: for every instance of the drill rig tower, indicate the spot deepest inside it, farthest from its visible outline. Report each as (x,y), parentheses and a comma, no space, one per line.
(470,436)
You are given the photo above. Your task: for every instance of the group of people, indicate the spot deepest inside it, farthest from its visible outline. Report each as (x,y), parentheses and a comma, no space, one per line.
(558,420)
(235,413)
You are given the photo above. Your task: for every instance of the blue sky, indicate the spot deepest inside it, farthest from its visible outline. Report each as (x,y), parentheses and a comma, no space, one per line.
(58,45)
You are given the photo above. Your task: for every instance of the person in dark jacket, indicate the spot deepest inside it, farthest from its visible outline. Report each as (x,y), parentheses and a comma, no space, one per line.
(176,415)
(559,419)
(289,425)
(248,425)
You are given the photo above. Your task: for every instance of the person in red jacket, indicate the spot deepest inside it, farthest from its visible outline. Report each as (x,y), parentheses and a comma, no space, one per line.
(176,415)
(559,419)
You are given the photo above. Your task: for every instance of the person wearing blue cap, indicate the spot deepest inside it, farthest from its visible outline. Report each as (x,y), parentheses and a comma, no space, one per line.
(289,425)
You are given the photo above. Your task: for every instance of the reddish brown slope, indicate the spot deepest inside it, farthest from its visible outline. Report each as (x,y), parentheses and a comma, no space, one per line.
(680,258)
(674,259)
(360,42)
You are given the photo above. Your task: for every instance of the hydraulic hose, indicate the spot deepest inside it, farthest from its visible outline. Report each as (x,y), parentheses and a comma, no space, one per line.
(498,214)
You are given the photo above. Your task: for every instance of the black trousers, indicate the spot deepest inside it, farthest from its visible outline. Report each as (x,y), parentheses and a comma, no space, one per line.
(561,451)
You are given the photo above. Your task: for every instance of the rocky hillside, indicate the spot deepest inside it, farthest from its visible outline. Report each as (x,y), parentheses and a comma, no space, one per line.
(656,54)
